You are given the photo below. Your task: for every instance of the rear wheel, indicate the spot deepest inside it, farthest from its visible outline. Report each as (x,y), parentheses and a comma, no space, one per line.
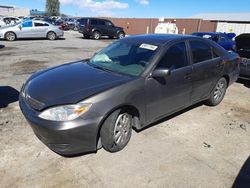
(218,92)
(10,36)
(116,131)
(96,35)
(51,35)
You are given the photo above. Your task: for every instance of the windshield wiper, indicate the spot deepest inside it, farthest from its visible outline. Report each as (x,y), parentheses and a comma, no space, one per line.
(100,67)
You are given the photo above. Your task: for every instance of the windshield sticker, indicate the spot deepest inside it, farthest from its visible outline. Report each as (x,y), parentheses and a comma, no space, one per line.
(149,47)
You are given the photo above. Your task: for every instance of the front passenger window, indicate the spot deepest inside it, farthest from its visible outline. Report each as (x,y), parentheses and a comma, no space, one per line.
(27,24)
(175,57)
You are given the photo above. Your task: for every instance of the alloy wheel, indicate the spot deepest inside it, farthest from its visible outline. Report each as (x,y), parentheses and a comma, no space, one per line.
(219,90)
(122,128)
(51,36)
(10,36)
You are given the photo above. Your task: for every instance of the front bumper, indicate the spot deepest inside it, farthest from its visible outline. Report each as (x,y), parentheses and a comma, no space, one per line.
(65,138)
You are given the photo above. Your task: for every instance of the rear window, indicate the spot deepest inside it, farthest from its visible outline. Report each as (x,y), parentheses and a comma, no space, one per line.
(101,22)
(94,22)
(200,51)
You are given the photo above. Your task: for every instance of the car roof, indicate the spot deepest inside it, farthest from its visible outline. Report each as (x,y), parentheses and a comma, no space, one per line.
(158,39)
(93,18)
(208,33)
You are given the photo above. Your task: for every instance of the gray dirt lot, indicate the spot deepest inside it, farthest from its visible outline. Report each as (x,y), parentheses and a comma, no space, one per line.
(201,147)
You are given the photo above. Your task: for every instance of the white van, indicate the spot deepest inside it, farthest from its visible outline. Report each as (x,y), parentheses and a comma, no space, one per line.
(166,28)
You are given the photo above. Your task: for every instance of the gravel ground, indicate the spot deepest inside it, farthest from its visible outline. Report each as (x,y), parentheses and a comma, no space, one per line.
(199,147)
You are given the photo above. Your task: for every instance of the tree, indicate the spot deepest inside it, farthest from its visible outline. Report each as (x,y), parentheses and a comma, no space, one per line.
(53,7)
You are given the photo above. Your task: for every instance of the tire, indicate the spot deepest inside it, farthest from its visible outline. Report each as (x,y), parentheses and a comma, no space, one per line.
(96,35)
(10,36)
(51,35)
(121,35)
(218,92)
(116,131)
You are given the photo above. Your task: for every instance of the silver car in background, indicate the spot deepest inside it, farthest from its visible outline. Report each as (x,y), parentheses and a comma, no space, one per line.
(30,29)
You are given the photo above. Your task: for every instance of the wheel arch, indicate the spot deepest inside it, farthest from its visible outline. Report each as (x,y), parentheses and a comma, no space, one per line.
(49,32)
(120,31)
(227,79)
(124,107)
(10,32)
(96,30)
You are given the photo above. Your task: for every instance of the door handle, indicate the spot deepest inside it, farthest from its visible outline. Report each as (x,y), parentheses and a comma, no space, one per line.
(188,76)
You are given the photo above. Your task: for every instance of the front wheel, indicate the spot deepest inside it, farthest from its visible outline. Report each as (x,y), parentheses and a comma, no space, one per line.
(121,35)
(10,36)
(51,35)
(116,131)
(218,92)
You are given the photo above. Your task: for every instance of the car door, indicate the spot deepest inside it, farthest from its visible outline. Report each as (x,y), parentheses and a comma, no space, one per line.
(110,29)
(168,94)
(102,27)
(40,29)
(26,30)
(207,66)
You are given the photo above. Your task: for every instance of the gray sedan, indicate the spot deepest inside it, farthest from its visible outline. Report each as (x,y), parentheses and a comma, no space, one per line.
(30,29)
(81,106)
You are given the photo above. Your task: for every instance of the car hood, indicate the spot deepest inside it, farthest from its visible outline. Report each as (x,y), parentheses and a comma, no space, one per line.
(69,84)
(243,45)
(243,41)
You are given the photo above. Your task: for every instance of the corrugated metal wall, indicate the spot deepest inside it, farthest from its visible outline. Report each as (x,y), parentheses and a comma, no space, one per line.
(237,28)
(134,26)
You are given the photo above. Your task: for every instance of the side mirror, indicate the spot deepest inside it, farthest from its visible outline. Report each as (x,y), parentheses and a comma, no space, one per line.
(159,73)
(20,27)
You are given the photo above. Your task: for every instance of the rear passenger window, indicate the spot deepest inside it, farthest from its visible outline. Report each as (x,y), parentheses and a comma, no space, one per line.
(41,24)
(93,22)
(101,22)
(175,57)
(200,51)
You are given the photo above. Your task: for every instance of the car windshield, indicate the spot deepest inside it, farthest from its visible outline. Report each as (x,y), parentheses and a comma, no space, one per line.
(124,57)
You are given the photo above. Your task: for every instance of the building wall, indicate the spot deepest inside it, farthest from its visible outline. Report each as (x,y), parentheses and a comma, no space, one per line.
(14,12)
(237,28)
(142,25)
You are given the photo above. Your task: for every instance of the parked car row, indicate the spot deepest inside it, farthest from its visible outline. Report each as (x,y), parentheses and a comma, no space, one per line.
(96,28)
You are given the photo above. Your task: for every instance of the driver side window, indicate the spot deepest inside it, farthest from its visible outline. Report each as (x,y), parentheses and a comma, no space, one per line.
(175,57)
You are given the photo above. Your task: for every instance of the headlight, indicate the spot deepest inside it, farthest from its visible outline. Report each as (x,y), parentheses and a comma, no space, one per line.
(65,113)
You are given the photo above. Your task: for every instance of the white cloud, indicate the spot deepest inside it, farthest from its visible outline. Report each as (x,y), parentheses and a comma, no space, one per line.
(101,7)
(143,2)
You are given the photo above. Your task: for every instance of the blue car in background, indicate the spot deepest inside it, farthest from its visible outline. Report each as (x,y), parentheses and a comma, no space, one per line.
(223,39)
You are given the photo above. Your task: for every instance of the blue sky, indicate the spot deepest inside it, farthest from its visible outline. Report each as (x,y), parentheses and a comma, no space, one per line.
(138,8)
